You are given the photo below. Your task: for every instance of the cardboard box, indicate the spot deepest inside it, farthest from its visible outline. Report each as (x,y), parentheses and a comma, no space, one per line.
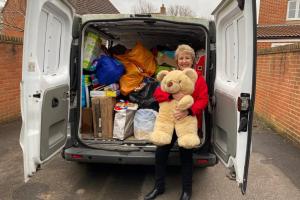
(107,115)
(86,121)
(102,93)
(97,93)
(96,117)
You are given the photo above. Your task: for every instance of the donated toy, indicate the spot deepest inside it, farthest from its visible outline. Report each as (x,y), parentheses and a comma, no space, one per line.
(186,128)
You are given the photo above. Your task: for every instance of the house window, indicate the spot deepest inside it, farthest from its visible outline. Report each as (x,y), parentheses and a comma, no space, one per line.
(293,11)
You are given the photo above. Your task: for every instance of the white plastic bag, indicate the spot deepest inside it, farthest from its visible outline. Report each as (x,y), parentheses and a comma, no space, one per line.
(143,124)
(123,124)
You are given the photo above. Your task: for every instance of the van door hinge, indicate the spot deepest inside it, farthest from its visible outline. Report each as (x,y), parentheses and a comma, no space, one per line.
(231,175)
(66,96)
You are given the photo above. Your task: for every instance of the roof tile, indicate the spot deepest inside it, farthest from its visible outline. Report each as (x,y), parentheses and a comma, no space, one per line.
(94,7)
(278,31)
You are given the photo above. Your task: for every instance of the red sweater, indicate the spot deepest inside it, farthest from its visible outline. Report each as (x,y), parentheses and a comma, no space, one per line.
(200,96)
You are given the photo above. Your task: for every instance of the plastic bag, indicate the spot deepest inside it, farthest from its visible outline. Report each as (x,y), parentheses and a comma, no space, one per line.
(138,59)
(143,58)
(83,100)
(123,124)
(143,123)
(129,82)
(109,70)
(144,98)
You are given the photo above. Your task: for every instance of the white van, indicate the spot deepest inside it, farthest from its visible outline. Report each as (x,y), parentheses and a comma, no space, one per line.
(51,82)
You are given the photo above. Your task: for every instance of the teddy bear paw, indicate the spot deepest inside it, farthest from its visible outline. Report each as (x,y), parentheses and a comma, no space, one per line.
(160,138)
(189,141)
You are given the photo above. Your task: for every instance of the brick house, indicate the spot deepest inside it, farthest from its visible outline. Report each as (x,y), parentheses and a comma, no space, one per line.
(279,23)
(13,13)
(11,49)
(278,67)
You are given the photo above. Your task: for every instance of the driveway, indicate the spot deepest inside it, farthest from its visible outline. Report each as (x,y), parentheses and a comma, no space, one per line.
(274,174)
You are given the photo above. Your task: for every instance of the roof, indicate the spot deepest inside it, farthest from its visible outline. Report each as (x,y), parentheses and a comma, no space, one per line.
(94,7)
(278,31)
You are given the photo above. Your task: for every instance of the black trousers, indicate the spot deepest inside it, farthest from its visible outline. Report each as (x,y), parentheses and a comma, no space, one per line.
(186,159)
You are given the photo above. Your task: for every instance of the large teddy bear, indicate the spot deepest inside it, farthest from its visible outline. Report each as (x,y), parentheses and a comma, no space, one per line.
(186,128)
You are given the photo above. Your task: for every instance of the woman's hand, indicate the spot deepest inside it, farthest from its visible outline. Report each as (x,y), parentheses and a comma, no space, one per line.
(180,114)
(177,96)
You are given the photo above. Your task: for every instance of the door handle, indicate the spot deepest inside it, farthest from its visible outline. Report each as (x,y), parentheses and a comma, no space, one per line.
(54,102)
(37,95)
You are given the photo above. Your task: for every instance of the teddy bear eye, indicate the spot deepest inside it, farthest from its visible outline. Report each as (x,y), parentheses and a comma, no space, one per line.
(179,82)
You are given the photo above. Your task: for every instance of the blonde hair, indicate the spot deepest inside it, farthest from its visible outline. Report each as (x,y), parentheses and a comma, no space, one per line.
(184,48)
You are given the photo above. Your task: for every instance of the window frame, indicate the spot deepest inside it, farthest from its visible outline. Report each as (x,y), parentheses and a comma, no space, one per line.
(297,12)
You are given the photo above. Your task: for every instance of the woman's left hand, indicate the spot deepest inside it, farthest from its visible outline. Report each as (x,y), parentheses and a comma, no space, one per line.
(180,114)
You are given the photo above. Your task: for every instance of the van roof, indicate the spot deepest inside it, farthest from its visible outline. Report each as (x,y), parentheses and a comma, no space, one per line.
(177,19)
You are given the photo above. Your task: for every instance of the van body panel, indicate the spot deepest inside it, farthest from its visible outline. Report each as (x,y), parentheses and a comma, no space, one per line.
(45,81)
(83,154)
(234,84)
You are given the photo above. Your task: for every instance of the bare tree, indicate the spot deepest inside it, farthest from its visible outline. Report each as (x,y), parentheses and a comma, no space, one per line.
(180,10)
(143,7)
(13,15)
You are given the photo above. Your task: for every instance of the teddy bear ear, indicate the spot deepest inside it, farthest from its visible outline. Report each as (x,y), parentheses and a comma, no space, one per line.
(160,76)
(191,73)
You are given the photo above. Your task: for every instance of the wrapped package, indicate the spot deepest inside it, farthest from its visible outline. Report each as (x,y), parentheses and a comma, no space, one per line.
(91,49)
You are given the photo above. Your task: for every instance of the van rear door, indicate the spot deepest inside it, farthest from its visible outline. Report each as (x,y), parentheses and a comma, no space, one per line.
(234,88)
(45,81)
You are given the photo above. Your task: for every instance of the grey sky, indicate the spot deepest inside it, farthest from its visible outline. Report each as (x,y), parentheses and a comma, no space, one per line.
(202,8)
(2,3)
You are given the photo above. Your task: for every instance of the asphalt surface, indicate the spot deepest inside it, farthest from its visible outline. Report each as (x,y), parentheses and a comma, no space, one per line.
(274,174)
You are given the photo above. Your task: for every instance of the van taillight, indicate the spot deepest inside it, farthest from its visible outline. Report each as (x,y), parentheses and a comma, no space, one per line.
(76,156)
(202,161)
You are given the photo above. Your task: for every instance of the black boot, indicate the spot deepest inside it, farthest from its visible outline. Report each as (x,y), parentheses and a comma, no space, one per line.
(154,193)
(186,195)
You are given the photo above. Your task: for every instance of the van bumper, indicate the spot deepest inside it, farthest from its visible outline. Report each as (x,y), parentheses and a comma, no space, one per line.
(89,155)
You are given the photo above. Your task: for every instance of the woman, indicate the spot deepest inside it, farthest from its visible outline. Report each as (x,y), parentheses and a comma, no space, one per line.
(184,56)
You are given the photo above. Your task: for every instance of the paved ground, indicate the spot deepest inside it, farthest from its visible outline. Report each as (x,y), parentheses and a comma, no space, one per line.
(274,174)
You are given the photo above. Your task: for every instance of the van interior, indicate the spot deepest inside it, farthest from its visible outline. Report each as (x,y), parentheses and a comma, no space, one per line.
(152,34)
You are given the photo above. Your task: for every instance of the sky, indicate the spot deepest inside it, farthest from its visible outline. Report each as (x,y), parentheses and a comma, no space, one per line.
(2,3)
(202,8)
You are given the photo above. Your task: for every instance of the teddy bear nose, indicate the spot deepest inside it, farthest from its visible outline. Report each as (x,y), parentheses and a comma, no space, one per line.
(169,84)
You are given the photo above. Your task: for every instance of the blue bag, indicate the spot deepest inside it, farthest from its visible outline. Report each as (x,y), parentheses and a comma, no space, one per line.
(83,97)
(109,70)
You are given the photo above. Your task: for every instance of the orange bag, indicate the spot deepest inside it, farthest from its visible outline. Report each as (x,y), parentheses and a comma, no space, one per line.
(129,82)
(133,77)
(138,62)
(143,58)
(129,66)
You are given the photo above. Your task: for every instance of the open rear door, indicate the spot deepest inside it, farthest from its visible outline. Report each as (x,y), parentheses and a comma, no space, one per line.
(45,81)
(234,88)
